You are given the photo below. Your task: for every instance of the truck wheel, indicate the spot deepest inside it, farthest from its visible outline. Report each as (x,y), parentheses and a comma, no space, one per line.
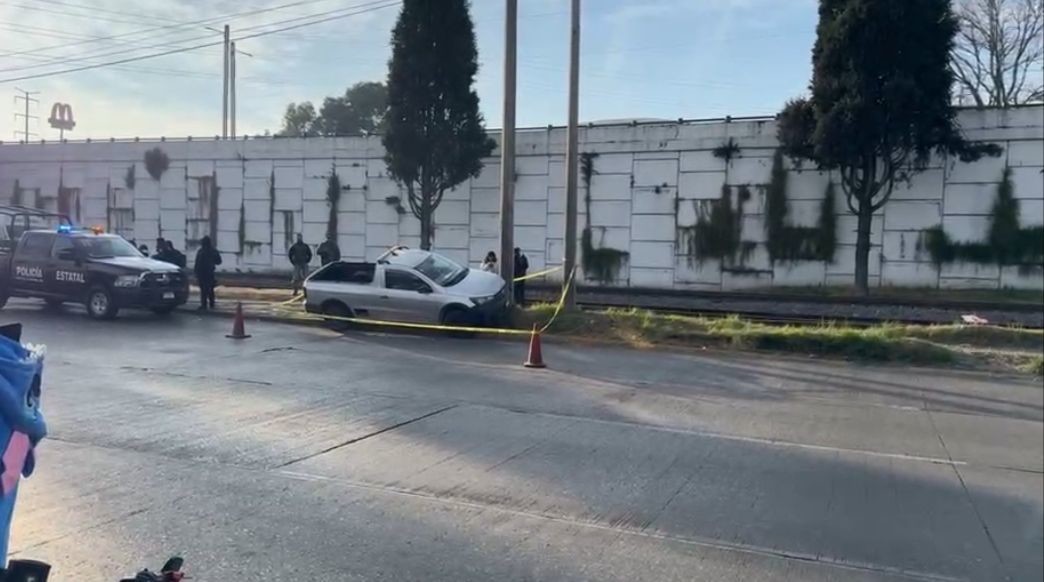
(458,317)
(337,309)
(100,304)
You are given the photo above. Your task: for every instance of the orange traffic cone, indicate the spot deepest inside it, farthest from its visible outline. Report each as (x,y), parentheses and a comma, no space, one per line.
(238,331)
(536,358)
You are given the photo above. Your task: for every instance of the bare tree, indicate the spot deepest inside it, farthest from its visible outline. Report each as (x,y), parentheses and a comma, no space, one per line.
(998,54)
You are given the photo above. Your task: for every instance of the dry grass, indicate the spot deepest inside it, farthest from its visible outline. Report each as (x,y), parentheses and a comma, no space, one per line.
(899,343)
(999,296)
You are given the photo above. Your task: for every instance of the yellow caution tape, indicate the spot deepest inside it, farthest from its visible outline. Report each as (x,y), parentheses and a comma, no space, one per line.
(561,301)
(535,275)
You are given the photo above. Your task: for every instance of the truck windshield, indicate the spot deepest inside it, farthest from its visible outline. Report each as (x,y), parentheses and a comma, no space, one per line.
(107,246)
(441,270)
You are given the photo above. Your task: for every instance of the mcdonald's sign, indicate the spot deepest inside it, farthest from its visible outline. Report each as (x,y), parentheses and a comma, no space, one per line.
(61,117)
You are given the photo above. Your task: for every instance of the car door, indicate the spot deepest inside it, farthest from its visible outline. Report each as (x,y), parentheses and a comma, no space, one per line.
(66,274)
(409,298)
(30,263)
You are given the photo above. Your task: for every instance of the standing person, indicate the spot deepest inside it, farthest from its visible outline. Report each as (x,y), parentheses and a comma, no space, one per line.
(207,260)
(168,254)
(176,257)
(143,249)
(489,264)
(161,246)
(328,251)
(300,255)
(521,266)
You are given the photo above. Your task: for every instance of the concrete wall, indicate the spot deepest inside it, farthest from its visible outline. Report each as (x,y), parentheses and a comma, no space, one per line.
(648,180)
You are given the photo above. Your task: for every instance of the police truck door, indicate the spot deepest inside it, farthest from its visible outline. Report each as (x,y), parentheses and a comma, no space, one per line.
(30,262)
(66,275)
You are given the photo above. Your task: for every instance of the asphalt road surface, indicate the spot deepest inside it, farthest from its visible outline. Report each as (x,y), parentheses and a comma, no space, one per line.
(300,454)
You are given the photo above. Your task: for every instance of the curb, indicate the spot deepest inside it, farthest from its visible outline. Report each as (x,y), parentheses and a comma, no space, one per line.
(265,317)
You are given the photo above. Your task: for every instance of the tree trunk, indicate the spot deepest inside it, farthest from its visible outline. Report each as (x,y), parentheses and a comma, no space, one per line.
(425,220)
(862,253)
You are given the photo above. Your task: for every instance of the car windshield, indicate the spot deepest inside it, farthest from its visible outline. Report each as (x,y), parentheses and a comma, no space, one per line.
(441,270)
(107,246)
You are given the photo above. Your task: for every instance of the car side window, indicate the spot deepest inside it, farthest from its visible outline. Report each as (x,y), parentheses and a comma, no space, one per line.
(36,246)
(346,273)
(61,244)
(403,281)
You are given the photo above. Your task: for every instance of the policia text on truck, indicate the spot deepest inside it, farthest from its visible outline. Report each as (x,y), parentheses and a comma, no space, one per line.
(102,271)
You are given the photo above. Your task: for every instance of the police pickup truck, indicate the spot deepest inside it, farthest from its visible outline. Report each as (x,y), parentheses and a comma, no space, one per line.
(102,271)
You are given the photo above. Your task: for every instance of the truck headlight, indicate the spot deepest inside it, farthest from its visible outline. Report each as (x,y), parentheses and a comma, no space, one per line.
(127,281)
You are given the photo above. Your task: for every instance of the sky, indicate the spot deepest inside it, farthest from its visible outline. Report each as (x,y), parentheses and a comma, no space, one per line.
(643,59)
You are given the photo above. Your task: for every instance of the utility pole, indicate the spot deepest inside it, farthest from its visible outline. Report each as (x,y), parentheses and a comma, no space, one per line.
(26,96)
(507,148)
(224,90)
(569,264)
(232,87)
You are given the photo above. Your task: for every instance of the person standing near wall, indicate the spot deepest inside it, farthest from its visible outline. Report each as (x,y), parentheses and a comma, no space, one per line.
(521,267)
(207,260)
(168,254)
(300,255)
(328,251)
(489,264)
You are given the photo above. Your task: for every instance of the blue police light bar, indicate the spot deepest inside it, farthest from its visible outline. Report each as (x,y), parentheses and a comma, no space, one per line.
(65,228)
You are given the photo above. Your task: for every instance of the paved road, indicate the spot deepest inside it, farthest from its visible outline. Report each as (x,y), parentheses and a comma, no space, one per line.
(304,455)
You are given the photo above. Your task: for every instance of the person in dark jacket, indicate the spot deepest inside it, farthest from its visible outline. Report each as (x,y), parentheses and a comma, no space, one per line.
(207,260)
(521,267)
(328,251)
(169,254)
(300,255)
(176,257)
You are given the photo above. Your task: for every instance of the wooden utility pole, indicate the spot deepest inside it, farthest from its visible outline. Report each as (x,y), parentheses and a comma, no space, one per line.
(224,89)
(507,147)
(569,264)
(232,88)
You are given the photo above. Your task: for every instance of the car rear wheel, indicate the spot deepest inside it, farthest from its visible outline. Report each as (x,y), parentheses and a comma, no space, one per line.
(100,304)
(334,310)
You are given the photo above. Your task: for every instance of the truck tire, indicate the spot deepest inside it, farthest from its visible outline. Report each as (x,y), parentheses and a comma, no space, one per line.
(100,304)
(458,317)
(337,309)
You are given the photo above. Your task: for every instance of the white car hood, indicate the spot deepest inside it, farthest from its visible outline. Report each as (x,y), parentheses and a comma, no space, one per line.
(477,283)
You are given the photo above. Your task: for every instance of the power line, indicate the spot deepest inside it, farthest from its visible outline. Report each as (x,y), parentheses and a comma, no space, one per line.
(203,21)
(198,46)
(76,15)
(107,11)
(97,55)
